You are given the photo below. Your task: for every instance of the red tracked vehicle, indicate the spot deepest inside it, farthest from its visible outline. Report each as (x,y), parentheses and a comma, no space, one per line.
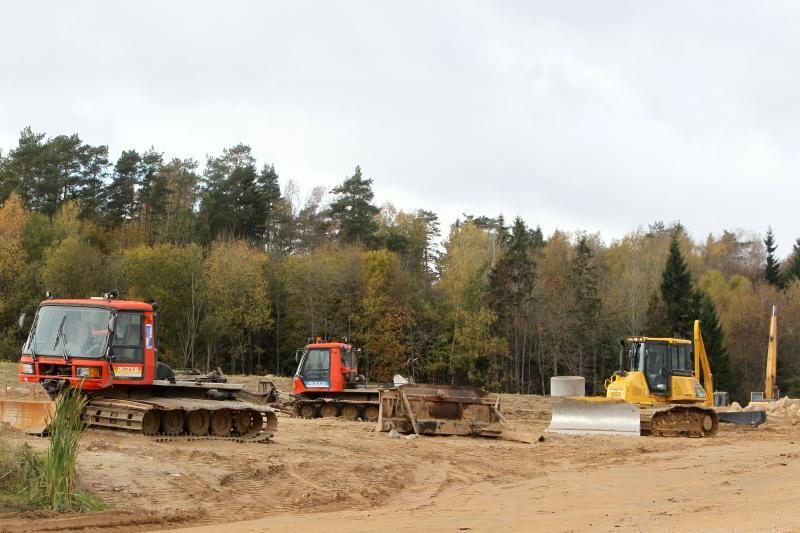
(107,348)
(327,383)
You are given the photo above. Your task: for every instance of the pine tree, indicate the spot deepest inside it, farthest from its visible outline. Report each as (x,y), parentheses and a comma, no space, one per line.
(772,270)
(586,305)
(232,200)
(353,209)
(677,293)
(152,195)
(121,192)
(271,191)
(95,167)
(792,267)
(511,286)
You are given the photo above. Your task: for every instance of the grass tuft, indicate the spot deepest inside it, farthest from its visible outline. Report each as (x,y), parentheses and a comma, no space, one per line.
(30,481)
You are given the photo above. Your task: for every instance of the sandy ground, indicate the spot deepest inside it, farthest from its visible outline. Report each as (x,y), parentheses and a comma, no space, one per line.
(335,475)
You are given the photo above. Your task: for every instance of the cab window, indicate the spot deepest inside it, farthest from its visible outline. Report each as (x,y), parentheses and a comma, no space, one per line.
(348,358)
(128,344)
(680,358)
(655,367)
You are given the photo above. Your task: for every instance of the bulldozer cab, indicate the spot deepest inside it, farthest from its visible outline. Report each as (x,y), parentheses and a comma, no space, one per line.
(659,360)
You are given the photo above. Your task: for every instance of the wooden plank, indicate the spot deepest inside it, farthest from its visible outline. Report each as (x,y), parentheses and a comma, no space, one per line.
(411,414)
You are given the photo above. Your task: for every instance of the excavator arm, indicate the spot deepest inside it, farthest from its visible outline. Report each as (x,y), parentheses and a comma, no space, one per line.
(702,366)
(772,358)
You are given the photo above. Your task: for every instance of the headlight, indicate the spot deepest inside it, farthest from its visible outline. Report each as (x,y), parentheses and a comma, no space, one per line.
(87,372)
(26,368)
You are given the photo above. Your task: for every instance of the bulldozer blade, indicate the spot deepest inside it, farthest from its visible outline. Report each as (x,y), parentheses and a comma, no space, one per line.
(30,416)
(590,416)
(743,418)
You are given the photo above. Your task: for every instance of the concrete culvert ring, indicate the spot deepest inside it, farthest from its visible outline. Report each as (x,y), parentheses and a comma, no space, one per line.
(151,422)
(350,411)
(197,422)
(371,412)
(327,410)
(172,422)
(221,422)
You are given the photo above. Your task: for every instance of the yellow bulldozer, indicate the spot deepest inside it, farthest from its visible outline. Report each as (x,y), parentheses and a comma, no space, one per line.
(660,394)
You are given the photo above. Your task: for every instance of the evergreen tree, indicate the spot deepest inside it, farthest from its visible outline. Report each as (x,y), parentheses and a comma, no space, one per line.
(510,294)
(792,267)
(677,293)
(95,166)
(22,169)
(232,201)
(772,270)
(271,191)
(353,210)
(151,199)
(121,192)
(586,306)
(432,230)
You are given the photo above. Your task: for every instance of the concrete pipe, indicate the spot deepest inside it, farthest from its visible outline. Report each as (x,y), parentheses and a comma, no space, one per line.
(567,386)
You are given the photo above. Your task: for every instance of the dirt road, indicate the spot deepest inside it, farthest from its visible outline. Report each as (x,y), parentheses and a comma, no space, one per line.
(335,475)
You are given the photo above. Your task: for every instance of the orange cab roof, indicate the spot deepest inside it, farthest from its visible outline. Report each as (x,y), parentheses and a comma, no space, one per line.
(112,304)
(327,345)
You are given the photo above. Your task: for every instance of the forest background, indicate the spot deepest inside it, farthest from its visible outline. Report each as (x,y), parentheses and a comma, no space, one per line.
(246,270)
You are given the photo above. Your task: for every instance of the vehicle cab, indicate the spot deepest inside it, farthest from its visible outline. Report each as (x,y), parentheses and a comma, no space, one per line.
(93,343)
(326,366)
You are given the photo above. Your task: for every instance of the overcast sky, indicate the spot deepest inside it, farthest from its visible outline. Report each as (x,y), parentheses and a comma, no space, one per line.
(602,116)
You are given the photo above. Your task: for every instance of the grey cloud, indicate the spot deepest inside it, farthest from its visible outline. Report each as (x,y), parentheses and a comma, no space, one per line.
(600,116)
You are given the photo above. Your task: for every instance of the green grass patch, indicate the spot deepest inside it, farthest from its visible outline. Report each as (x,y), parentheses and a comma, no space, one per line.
(48,481)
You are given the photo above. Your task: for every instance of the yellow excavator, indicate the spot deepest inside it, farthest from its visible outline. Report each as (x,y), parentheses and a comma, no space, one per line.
(660,394)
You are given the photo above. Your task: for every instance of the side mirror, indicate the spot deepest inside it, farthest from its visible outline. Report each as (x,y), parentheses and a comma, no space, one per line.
(21,320)
(112,324)
(297,355)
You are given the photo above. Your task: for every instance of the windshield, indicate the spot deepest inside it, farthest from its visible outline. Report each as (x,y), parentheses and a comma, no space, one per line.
(85,330)
(316,364)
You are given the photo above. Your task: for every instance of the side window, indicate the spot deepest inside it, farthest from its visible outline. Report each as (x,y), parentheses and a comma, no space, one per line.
(347,358)
(686,358)
(674,353)
(128,339)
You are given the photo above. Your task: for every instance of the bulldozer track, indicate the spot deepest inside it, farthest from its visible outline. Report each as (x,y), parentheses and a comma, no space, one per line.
(329,408)
(169,421)
(261,438)
(679,421)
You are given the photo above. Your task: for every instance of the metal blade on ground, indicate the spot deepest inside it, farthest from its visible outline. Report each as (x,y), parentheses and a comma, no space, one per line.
(743,418)
(590,416)
(30,416)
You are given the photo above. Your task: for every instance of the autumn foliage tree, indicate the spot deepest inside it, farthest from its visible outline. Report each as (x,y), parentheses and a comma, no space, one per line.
(248,267)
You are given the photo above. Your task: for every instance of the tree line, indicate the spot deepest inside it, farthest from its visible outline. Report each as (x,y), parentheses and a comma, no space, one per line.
(247,271)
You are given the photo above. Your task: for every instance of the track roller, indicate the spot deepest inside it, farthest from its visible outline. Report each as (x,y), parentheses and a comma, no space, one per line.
(350,411)
(197,422)
(328,410)
(221,422)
